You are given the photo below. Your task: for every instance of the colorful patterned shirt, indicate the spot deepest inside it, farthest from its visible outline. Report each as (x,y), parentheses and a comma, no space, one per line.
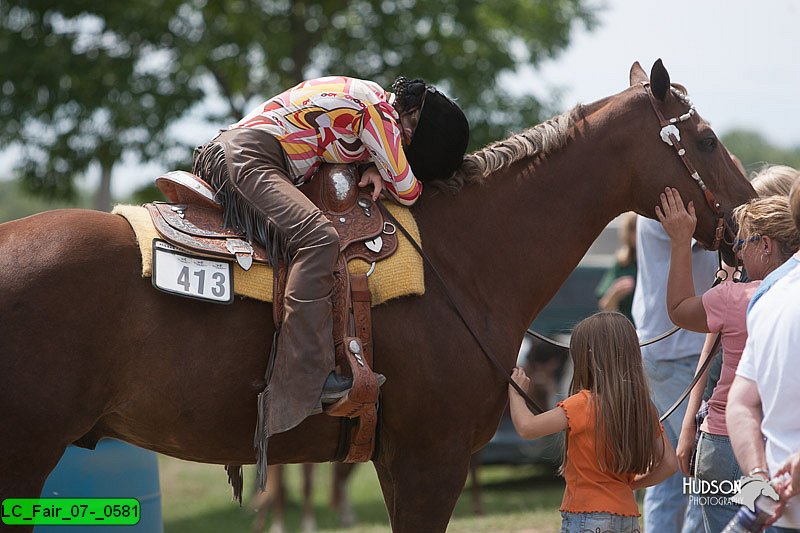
(338,120)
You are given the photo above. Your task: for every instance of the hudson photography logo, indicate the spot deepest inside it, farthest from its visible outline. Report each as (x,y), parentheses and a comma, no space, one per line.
(744,491)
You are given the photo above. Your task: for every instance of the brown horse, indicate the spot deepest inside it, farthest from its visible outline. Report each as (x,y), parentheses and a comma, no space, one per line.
(89,349)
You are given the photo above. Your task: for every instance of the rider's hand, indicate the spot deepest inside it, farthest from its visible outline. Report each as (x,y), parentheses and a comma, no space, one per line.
(372,176)
(679,222)
(519,377)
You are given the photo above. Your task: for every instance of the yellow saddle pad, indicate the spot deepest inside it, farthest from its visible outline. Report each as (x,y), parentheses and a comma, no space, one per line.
(399,275)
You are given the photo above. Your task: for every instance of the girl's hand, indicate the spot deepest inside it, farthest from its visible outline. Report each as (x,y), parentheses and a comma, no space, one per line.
(679,222)
(519,377)
(372,176)
(685,448)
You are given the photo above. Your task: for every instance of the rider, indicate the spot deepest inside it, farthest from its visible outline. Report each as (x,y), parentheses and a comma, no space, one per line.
(401,138)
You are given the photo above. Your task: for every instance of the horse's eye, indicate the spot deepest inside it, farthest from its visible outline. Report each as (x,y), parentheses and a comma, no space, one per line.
(707,144)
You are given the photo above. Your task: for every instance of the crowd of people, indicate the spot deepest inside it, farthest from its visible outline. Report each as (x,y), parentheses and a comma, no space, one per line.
(738,424)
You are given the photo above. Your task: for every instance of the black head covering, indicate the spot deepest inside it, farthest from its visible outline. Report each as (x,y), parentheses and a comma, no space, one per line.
(440,139)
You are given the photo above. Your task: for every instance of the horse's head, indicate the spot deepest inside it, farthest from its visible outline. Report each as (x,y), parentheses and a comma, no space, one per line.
(672,146)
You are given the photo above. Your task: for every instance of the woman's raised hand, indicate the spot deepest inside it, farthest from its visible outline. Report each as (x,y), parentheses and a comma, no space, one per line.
(679,222)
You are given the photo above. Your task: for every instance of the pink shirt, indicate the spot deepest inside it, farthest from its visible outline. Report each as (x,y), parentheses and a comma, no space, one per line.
(726,312)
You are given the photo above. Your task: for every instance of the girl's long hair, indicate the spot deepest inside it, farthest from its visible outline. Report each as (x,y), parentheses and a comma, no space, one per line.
(608,362)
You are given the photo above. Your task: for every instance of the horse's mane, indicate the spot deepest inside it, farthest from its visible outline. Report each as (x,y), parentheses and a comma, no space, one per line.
(538,140)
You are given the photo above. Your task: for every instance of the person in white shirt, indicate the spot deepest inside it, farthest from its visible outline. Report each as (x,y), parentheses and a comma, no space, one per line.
(764,396)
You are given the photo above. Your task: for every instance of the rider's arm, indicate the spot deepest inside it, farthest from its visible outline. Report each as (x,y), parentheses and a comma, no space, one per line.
(380,133)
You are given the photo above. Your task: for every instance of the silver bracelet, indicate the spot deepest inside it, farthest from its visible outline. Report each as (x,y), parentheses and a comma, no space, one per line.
(759,470)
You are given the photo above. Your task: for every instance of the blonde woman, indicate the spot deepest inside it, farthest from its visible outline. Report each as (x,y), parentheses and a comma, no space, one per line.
(774,180)
(767,238)
(614,442)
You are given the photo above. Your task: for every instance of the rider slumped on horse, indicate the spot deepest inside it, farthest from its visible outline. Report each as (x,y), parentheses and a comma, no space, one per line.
(401,139)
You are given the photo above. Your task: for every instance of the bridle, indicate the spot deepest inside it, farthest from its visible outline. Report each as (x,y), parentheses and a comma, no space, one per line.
(672,136)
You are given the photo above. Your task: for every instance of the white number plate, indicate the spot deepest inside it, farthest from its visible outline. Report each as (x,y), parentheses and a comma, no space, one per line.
(195,277)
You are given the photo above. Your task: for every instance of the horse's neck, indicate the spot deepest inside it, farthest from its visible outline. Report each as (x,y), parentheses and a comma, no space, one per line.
(510,244)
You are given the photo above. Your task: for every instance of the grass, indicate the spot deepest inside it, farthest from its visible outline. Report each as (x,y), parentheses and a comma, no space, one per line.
(196,499)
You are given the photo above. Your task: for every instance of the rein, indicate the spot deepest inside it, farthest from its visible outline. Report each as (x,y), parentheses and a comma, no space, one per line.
(688,390)
(536,408)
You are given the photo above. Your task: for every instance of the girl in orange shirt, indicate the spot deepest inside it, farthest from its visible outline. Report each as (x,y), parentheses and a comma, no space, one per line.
(614,442)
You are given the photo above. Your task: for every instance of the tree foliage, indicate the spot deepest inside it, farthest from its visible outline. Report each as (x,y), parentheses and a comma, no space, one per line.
(87,81)
(755,151)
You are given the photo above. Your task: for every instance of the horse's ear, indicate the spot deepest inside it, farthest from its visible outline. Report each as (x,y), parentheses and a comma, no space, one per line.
(659,80)
(637,75)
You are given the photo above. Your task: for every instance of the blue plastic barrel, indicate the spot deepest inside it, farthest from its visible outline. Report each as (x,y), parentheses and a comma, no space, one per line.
(113,470)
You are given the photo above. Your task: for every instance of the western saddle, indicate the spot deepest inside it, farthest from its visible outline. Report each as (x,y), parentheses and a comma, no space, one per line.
(193,220)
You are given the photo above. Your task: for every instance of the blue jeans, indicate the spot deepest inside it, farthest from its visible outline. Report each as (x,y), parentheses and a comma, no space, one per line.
(715,461)
(666,506)
(598,523)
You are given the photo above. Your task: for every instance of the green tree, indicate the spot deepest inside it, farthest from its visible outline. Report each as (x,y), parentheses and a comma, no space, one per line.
(88,81)
(16,203)
(755,151)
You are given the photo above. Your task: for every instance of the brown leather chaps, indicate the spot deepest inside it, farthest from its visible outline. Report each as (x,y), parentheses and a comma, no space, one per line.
(248,169)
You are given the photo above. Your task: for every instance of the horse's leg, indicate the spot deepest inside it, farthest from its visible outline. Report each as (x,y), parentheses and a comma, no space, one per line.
(425,483)
(340,499)
(264,500)
(308,523)
(24,467)
(387,487)
(475,486)
(279,501)
(259,503)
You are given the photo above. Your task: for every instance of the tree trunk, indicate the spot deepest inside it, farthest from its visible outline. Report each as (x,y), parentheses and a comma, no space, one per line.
(102,197)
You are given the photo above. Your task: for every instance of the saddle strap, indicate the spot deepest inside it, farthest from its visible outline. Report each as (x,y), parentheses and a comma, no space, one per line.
(362,437)
(361,299)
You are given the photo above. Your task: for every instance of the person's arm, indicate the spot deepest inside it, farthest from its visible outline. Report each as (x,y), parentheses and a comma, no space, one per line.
(684,307)
(689,427)
(528,425)
(743,412)
(662,470)
(382,136)
(618,289)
